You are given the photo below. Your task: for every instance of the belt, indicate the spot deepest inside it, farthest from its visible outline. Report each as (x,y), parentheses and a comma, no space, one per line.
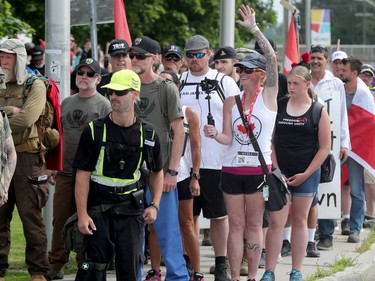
(118,189)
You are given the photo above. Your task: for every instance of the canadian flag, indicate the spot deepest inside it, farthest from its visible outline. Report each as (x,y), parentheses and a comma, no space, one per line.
(121,24)
(291,51)
(361,119)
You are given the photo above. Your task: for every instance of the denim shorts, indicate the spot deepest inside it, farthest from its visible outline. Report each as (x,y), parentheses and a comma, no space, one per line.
(309,187)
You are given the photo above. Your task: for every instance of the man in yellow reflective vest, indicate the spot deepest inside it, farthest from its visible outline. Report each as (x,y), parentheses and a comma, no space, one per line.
(109,188)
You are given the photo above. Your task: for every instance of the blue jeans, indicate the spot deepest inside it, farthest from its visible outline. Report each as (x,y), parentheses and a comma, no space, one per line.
(326,228)
(357,193)
(168,232)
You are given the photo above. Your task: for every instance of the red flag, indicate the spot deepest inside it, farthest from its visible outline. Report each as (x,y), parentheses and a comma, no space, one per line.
(291,51)
(361,119)
(121,24)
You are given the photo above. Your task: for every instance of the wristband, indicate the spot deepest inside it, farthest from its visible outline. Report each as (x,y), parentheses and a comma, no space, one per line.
(253,26)
(255,29)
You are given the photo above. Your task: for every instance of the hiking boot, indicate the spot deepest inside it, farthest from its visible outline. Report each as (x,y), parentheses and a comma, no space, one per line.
(244,266)
(38,277)
(153,275)
(312,251)
(212,267)
(197,276)
(353,238)
(268,276)
(325,244)
(368,222)
(221,273)
(286,248)
(262,261)
(295,275)
(345,227)
(206,238)
(56,274)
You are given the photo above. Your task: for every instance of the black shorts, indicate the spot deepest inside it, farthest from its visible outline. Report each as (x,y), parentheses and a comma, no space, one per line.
(211,201)
(184,190)
(241,184)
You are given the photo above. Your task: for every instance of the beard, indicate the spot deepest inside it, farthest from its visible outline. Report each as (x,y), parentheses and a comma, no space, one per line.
(345,80)
(9,75)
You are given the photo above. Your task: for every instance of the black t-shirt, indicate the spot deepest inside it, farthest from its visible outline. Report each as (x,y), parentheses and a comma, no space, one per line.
(122,144)
(296,139)
(106,79)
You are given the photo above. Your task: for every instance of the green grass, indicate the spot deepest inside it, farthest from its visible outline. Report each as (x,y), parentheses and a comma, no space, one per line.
(337,266)
(370,239)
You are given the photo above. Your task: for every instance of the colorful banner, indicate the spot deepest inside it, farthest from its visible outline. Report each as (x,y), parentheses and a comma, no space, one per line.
(321,27)
(121,24)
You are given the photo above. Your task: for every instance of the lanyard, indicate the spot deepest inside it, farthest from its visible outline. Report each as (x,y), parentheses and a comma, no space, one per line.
(251,106)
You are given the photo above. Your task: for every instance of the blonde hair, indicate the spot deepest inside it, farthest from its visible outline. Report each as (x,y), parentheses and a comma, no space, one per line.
(303,73)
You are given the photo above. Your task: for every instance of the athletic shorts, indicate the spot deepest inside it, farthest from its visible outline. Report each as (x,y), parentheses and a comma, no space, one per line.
(309,187)
(183,190)
(241,184)
(211,201)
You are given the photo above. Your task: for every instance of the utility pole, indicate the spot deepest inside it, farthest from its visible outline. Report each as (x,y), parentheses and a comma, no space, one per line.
(227,12)
(57,22)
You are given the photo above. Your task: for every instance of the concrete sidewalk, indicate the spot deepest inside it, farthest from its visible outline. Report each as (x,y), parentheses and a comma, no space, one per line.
(364,269)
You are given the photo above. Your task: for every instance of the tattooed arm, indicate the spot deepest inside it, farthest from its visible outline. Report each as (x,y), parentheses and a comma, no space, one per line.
(271,87)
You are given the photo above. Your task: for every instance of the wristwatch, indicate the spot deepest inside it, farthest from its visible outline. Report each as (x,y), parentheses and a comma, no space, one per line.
(172,172)
(155,205)
(196,176)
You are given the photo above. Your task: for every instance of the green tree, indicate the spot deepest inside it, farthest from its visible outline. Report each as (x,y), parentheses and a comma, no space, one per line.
(10,25)
(168,21)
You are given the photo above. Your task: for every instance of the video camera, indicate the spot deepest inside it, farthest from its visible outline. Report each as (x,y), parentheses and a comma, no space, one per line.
(209,85)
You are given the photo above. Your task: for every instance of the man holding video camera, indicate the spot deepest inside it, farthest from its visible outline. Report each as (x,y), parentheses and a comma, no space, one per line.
(204,90)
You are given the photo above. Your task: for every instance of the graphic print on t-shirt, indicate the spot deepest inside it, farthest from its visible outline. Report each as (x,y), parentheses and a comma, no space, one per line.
(239,130)
(77,119)
(144,107)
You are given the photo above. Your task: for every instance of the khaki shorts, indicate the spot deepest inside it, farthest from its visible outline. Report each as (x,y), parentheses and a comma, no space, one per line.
(369,179)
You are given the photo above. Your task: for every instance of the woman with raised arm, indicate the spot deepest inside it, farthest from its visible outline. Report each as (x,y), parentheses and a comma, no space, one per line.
(242,175)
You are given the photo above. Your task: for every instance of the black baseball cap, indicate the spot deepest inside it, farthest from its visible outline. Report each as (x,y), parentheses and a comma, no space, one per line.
(118,47)
(93,64)
(172,49)
(37,53)
(253,60)
(225,52)
(260,51)
(144,44)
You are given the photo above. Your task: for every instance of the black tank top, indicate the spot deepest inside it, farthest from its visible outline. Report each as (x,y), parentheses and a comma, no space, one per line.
(296,139)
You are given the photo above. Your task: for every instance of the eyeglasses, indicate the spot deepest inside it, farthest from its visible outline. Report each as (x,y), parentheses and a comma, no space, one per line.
(139,56)
(197,55)
(175,59)
(247,70)
(90,74)
(118,93)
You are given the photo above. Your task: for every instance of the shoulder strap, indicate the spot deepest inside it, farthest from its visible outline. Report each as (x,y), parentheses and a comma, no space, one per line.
(251,135)
(162,98)
(148,140)
(316,113)
(220,87)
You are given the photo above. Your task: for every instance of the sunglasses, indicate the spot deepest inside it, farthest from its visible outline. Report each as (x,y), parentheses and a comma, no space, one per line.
(139,56)
(247,70)
(197,55)
(90,74)
(175,59)
(118,93)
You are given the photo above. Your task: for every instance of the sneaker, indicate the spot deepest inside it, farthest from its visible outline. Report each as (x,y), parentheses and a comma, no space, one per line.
(221,273)
(345,227)
(295,275)
(206,238)
(55,274)
(197,276)
(153,275)
(368,222)
(38,277)
(268,275)
(262,261)
(325,244)
(312,251)
(353,238)
(286,249)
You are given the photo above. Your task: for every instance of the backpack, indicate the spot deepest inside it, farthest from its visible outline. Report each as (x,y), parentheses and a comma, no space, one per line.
(327,169)
(49,123)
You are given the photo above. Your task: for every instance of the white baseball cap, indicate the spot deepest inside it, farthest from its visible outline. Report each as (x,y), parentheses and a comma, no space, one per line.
(339,55)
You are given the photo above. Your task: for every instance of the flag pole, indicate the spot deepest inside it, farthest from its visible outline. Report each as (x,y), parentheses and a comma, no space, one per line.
(338,45)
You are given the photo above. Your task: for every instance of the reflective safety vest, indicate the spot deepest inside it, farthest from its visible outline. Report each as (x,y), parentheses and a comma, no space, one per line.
(118,185)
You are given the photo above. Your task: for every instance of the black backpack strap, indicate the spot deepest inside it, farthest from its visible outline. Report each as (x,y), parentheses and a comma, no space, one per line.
(316,113)
(148,141)
(220,87)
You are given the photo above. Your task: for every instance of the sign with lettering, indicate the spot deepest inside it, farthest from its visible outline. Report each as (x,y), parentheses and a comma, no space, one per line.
(329,194)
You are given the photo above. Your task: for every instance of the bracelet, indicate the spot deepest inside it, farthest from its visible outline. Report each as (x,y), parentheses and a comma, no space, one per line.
(253,26)
(255,29)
